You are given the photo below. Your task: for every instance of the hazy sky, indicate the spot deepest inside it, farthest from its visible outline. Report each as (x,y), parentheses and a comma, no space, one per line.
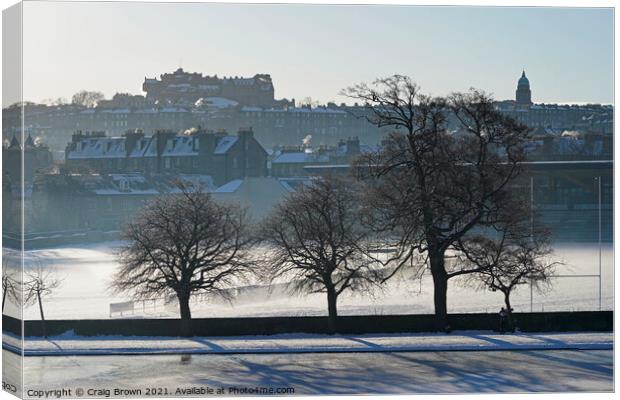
(317,50)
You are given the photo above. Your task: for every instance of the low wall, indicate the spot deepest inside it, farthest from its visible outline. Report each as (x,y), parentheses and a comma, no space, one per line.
(526,322)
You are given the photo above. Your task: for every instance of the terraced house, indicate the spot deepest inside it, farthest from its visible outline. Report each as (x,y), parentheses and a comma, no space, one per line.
(222,156)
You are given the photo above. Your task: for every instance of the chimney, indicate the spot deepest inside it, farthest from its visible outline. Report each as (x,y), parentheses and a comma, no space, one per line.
(548,145)
(161,138)
(131,138)
(608,145)
(77,136)
(245,135)
(353,146)
(208,141)
(221,133)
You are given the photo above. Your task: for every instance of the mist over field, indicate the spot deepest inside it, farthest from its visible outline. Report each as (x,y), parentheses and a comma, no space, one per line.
(87,270)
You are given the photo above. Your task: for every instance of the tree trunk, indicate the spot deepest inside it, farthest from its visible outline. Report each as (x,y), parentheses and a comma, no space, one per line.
(509,324)
(3,298)
(440,282)
(507,302)
(186,314)
(332,319)
(42,315)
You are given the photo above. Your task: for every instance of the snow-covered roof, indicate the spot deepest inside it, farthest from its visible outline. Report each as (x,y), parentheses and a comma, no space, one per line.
(224,144)
(181,146)
(117,111)
(300,157)
(172,109)
(99,147)
(286,185)
(230,187)
(293,184)
(305,110)
(206,181)
(319,110)
(218,102)
(251,109)
(139,184)
(145,147)
(147,111)
(175,146)
(112,192)
(138,178)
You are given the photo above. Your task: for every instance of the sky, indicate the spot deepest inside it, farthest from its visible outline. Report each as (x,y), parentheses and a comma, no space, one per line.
(316,50)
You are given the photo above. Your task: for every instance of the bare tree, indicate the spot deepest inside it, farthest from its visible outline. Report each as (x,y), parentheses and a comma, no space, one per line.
(309,102)
(182,244)
(442,172)
(58,101)
(10,283)
(40,282)
(87,98)
(315,240)
(504,264)
(508,254)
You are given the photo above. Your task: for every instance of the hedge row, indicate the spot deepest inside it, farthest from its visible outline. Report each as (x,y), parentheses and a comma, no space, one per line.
(526,322)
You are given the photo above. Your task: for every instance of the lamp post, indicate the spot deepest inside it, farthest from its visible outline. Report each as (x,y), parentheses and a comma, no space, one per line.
(532,237)
(600,247)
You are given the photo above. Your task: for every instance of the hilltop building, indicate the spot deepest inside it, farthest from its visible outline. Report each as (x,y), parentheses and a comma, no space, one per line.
(524,93)
(185,87)
(180,100)
(587,119)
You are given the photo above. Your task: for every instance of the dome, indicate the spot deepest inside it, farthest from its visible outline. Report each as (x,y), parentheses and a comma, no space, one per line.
(523,81)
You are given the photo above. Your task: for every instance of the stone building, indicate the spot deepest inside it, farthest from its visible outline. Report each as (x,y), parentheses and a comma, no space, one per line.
(589,118)
(293,161)
(185,87)
(224,157)
(36,156)
(180,100)
(524,94)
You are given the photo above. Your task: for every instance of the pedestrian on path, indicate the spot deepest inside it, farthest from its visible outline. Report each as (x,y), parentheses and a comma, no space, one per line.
(503,319)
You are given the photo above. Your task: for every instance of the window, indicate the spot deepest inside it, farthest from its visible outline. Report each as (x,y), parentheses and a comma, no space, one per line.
(123,185)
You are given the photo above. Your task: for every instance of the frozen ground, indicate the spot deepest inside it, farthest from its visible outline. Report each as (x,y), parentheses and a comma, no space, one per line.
(351,373)
(86,271)
(69,344)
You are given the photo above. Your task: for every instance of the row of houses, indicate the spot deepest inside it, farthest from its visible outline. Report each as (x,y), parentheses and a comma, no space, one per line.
(226,157)
(197,151)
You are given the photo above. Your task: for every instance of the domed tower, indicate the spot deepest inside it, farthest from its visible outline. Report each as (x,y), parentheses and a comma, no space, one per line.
(524,94)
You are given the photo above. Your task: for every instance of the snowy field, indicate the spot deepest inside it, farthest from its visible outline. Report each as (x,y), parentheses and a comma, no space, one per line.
(86,271)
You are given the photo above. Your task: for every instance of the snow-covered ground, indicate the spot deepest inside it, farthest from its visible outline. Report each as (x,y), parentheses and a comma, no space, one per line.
(70,344)
(352,373)
(86,271)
